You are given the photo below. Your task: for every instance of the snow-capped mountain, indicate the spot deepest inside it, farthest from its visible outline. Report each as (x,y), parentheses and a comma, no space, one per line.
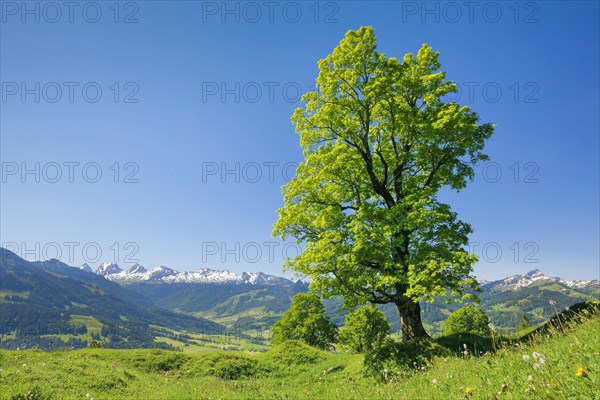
(107,268)
(536,277)
(137,269)
(162,274)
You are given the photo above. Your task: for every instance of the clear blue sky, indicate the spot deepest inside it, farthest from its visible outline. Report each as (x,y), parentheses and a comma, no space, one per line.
(182,61)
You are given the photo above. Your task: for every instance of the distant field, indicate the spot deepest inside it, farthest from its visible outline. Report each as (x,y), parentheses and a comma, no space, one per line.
(570,370)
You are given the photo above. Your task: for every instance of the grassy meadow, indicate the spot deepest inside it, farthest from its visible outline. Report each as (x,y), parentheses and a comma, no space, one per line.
(558,362)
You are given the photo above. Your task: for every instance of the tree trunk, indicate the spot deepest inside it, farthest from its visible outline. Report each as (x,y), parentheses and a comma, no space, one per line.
(410,320)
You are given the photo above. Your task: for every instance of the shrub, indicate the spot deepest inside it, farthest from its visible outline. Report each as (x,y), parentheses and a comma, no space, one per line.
(293,352)
(108,382)
(475,344)
(365,329)
(95,344)
(232,366)
(160,361)
(392,359)
(467,319)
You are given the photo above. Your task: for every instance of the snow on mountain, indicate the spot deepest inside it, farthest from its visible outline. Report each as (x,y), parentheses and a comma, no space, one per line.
(86,268)
(107,268)
(531,278)
(137,269)
(163,274)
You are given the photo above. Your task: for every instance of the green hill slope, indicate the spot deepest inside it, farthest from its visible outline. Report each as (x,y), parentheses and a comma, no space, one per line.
(561,363)
(48,310)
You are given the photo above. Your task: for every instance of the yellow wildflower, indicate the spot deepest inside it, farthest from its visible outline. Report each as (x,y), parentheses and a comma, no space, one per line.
(468,390)
(580,371)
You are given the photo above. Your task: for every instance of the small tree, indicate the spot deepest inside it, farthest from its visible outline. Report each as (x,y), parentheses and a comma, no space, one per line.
(524,323)
(365,329)
(305,320)
(467,319)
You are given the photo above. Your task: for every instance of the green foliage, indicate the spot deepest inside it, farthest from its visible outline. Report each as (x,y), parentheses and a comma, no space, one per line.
(467,319)
(470,343)
(524,323)
(34,394)
(95,344)
(108,383)
(379,142)
(232,366)
(365,328)
(160,361)
(305,321)
(392,359)
(294,352)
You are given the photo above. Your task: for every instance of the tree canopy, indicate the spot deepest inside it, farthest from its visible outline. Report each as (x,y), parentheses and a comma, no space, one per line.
(305,320)
(365,328)
(467,319)
(379,142)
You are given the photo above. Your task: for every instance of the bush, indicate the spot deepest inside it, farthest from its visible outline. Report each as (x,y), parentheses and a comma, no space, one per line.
(392,359)
(232,367)
(95,344)
(475,344)
(160,361)
(467,319)
(108,383)
(365,329)
(293,352)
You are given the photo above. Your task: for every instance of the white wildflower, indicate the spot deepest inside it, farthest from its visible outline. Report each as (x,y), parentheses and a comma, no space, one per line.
(535,355)
(542,361)
(530,378)
(526,358)
(536,366)
(434,381)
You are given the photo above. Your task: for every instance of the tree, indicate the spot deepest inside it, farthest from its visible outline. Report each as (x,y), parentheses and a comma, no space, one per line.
(379,142)
(305,320)
(524,323)
(365,328)
(467,319)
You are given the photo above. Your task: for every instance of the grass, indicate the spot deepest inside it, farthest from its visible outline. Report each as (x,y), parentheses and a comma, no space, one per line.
(561,361)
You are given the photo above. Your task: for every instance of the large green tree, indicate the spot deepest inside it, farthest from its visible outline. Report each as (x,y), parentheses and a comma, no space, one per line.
(379,142)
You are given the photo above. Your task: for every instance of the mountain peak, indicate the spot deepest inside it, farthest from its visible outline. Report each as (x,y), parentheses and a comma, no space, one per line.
(137,269)
(108,268)
(534,273)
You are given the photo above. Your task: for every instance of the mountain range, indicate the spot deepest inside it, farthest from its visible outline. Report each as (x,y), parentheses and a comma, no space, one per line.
(43,302)
(162,274)
(137,306)
(536,276)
